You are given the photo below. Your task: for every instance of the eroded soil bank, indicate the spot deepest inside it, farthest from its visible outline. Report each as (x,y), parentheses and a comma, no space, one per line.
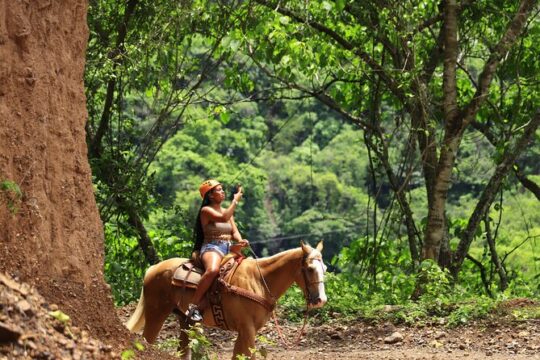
(51,235)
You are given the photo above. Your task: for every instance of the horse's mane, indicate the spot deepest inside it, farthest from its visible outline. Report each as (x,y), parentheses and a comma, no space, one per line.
(269,260)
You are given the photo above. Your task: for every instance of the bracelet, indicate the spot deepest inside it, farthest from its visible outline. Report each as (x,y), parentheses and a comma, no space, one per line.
(235,202)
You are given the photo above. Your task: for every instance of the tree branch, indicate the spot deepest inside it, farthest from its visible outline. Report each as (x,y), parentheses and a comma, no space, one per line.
(374,65)
(518,246)
(482,274)
(527,183)
(523,179)
(320,95)
(117,57)
(486,199)
(506,42)
(494,256)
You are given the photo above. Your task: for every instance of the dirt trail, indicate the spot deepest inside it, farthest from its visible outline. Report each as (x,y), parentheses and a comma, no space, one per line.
(500,337)
(408,354)
(359,340)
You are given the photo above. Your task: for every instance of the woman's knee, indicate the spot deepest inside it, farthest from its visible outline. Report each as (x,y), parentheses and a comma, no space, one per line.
(212,271)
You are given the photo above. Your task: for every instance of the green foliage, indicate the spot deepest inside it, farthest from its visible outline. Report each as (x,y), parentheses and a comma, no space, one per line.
(131,353)
(527,312)
(60,316)
(477,309)
(170,345)
(10,186)
(125,265)
(11,193)
(128,354)
(441,303)
(304,164)
(391,281)
(199,343)
(435,282)
(351,296)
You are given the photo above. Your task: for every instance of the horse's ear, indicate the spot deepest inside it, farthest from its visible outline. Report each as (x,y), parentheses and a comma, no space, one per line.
(305,247)
(320,246)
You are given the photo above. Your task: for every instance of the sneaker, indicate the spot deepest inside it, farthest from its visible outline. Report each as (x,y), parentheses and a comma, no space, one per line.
(193,313)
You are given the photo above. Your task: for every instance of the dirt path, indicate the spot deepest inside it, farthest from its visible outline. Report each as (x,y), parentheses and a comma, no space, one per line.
(499,338)
(361,341)
(408,354)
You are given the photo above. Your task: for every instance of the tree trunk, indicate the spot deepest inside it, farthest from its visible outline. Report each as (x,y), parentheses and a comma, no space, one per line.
(425,136)
(456,121)
(435,227)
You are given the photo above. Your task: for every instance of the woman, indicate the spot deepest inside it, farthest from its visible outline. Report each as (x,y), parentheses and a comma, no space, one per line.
(215,229)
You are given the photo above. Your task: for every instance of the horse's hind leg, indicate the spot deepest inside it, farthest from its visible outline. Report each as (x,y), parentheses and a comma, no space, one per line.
(155,316)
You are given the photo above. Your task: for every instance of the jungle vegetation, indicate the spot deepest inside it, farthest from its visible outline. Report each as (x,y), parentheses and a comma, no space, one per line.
(403,134)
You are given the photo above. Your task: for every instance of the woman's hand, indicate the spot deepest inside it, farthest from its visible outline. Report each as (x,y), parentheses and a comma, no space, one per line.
(243,243)
(238,196)
(238,246)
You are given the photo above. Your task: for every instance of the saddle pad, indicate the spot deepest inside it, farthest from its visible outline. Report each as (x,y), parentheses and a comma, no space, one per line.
(187,275)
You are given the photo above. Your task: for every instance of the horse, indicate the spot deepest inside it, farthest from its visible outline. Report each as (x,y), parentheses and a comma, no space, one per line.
(261,283)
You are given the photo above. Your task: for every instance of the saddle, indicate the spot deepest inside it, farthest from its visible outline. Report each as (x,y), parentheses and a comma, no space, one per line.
(189,273)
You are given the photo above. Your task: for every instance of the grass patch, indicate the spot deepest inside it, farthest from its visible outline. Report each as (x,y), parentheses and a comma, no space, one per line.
(11,194)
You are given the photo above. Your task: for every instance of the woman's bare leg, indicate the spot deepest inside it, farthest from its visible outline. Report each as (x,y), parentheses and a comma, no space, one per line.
(211,261)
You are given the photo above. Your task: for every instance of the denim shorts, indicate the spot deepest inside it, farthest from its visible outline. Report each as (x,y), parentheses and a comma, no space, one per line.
(221,247)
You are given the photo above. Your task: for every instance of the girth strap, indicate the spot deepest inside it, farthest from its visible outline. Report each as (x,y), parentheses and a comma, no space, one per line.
(268,305)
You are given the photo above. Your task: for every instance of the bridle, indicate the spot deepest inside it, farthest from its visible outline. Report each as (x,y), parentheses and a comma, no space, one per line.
(304,270)
(308,296)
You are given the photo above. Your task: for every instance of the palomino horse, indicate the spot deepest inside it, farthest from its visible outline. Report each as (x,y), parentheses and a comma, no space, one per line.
(268,278)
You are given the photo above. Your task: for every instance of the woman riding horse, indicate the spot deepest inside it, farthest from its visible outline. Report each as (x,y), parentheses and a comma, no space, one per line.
(214,230)
(247,303)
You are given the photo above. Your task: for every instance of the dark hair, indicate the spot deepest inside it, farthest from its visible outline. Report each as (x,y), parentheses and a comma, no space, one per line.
(198,230)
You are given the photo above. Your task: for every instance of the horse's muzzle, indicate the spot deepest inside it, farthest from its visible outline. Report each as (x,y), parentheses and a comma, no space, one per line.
(317,302)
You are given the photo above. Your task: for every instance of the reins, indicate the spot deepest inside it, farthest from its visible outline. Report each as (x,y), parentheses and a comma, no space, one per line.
(284,342)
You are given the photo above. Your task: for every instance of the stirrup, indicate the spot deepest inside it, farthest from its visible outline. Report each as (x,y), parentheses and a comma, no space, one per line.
(193,313)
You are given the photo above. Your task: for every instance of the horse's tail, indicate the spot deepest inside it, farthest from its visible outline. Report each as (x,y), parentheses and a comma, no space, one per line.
(136,321)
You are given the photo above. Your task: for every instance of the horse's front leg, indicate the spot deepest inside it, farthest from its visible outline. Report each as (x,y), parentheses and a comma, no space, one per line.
(245,343)
(184,338)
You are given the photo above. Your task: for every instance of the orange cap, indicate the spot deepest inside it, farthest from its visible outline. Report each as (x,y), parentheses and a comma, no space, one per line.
(207,186)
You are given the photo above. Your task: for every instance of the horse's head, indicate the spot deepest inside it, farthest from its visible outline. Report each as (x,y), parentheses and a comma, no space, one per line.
(311,277)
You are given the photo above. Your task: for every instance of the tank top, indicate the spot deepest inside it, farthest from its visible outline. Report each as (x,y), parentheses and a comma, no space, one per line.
(217,231)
